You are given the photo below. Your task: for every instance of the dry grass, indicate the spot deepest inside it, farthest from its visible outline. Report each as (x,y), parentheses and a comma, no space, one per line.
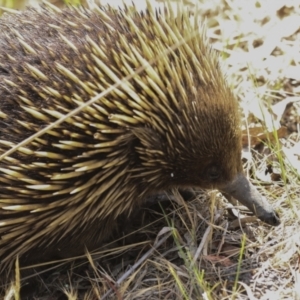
(206,253)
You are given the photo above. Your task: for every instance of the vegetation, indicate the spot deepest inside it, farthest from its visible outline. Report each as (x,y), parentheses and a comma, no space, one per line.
(205,248)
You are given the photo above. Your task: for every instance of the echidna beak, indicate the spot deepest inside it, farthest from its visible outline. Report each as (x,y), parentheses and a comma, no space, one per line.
(243,191)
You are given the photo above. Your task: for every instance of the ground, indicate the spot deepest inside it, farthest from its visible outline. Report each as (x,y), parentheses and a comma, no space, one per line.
(206,248)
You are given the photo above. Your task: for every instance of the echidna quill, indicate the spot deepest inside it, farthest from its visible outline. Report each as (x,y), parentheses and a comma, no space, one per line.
(175,124)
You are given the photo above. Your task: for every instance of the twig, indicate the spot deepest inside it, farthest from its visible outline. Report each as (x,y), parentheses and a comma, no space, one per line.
(156,245)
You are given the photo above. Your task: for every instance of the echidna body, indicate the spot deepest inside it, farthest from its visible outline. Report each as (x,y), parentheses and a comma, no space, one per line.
(176,124)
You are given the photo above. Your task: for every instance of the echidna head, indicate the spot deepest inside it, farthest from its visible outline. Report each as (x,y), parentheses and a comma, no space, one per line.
(198,143)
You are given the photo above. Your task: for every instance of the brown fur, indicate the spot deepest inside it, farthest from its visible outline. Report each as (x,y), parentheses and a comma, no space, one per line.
(177,128)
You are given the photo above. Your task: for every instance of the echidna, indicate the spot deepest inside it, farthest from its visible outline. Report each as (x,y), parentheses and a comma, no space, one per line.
(175,124)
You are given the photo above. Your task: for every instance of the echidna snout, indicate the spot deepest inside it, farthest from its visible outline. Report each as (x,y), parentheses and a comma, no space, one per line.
(242,190)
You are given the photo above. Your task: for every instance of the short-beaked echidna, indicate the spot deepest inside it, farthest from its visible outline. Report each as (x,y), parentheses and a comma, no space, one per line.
(175,124)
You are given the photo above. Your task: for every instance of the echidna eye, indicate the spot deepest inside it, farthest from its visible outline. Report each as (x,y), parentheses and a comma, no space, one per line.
(213,172)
